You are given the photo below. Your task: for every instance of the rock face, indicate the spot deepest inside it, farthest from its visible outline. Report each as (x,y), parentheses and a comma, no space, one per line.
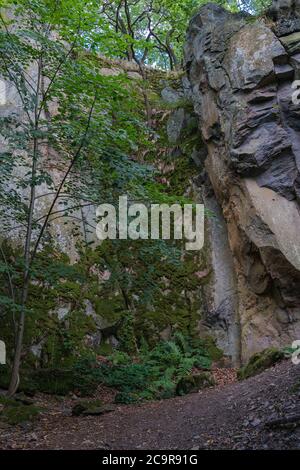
(241,74)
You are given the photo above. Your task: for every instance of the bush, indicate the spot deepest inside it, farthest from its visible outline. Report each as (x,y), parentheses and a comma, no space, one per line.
(126,398)
(86,376)
(158,371)
(119,358)
(52,381)
(155,373)
(132,377)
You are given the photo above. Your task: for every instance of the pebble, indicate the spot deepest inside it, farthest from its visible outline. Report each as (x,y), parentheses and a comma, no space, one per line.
(256,422)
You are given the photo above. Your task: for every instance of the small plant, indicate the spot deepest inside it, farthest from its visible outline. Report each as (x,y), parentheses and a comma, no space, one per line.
(119,358)
(87,374)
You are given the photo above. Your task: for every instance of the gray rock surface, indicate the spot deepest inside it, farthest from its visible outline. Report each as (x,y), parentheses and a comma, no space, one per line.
(176,124)
(241,76)
(171,96)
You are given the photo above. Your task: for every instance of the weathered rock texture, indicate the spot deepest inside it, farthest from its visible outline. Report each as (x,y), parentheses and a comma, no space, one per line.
(241,73)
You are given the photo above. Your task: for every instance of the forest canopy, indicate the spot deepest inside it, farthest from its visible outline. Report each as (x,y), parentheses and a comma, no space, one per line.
(149,32)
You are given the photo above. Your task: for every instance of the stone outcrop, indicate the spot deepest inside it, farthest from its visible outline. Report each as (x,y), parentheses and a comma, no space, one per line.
(241,72)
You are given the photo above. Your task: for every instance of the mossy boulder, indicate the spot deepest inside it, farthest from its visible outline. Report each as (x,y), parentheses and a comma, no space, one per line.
(194,382)
(15,412)
(259,362)
(91,408)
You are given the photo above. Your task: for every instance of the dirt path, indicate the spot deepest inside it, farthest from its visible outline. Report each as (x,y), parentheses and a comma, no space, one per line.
(229,417)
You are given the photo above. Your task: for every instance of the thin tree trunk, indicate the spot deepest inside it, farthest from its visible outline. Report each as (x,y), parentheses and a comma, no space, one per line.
(14,381)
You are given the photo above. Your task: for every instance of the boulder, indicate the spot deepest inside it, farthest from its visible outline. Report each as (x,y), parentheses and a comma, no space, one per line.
(259,362)
(91,408)
(194,382)
(172,97)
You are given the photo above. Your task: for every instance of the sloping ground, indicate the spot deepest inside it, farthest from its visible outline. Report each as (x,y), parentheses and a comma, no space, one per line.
(234,416)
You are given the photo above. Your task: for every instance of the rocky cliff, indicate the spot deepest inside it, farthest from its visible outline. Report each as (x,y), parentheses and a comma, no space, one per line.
(232,114)
(240,73)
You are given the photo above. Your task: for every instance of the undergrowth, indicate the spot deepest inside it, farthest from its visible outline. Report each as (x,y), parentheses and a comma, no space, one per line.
(153,374)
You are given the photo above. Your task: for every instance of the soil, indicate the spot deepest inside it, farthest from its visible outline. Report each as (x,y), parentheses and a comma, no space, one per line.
(233,415)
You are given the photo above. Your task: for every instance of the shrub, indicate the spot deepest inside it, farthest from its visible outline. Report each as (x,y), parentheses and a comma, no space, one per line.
(119,358)
(158,371)
(154,374)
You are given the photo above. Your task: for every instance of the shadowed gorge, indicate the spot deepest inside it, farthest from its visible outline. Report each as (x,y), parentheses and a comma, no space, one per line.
(116,333)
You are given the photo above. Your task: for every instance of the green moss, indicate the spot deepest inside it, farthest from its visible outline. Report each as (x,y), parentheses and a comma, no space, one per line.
(110,307)
(86,407)
(194,382)
(14,412)
(213,351)
(105,348)
(179,179)
(52,381)
(259,362)
(126,334)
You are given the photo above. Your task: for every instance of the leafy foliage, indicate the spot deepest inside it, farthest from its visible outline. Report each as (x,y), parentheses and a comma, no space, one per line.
(156,372)
(76,137)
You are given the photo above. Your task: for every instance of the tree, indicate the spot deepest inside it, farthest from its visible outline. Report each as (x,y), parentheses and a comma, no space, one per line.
(85,124)
(69,115)
(153,29)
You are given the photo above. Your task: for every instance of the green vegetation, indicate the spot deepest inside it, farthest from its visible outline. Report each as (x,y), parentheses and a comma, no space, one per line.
(15,412)
(170,368)
(193,383)
(91,407)
(88,132)
(157,373)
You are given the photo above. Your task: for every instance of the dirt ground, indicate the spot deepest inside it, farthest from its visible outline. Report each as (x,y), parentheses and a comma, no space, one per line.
(240,415)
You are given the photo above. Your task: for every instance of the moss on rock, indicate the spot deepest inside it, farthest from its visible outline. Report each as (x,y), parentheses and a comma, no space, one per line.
(15,412)
(91,407)
(194,382)
(259,362)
